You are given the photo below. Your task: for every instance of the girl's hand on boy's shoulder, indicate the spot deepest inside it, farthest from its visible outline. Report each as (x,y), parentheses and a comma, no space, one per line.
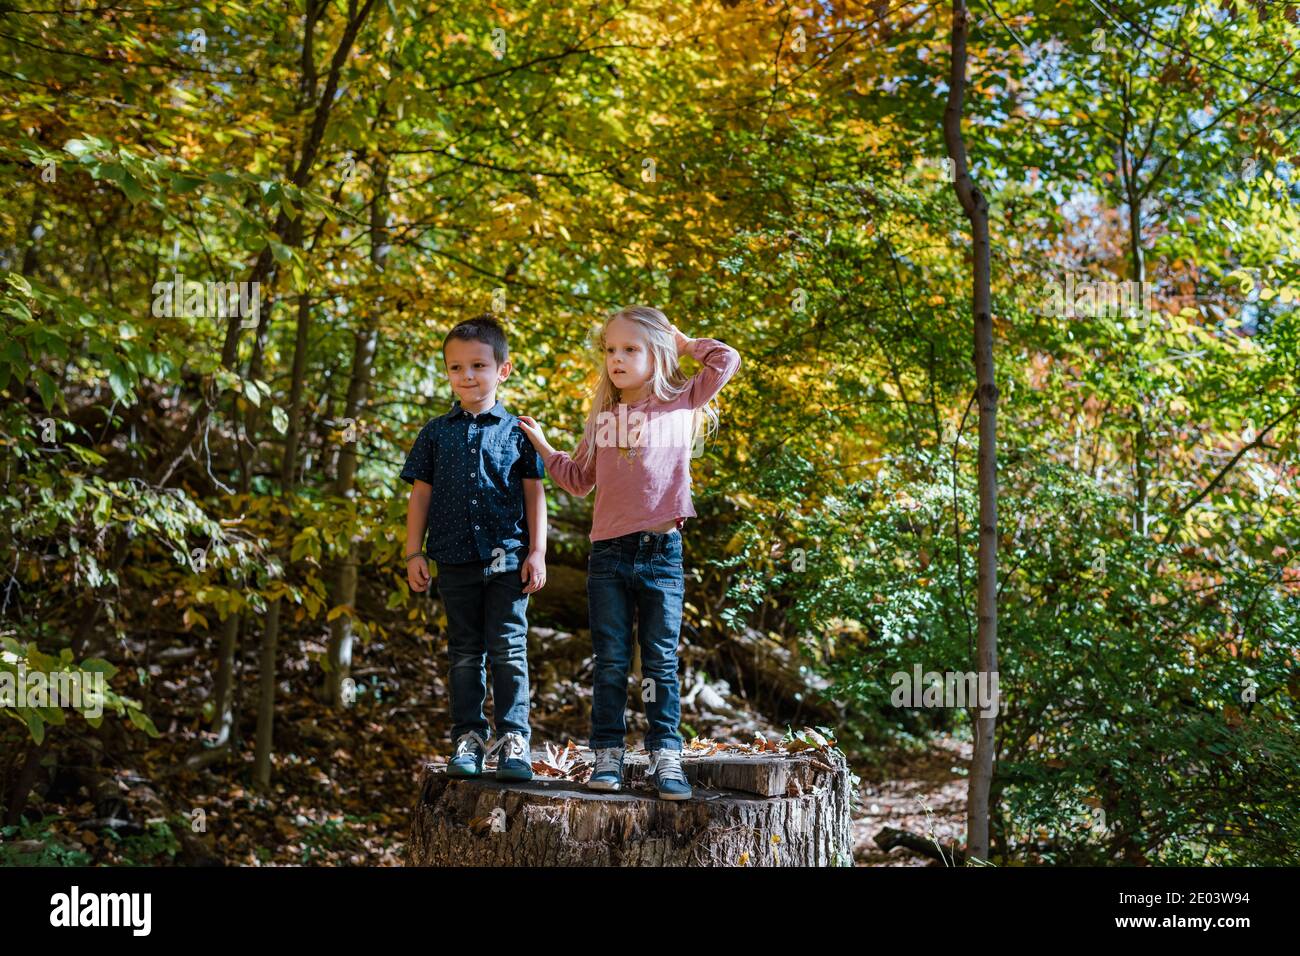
(533,572)
(533,431)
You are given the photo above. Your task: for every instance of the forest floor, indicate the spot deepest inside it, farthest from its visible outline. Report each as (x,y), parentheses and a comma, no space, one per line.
(345,781)
(923,793)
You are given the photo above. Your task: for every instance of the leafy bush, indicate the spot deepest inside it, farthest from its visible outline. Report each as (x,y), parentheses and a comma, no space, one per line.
(1148,690)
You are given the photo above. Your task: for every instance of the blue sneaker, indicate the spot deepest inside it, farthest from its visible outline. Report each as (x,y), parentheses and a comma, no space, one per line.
(666,770)
(513,760)
(468,759)
(608,774)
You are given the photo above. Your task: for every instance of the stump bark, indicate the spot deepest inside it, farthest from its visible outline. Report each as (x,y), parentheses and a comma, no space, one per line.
(789,809)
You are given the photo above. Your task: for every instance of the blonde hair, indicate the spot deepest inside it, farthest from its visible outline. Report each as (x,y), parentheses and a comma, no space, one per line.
(667,381)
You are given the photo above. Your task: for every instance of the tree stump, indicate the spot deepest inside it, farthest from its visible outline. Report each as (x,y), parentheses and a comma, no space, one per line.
(783,809)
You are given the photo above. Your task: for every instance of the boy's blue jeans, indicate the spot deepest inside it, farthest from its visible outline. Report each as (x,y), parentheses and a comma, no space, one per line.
(486,617)
(636,576)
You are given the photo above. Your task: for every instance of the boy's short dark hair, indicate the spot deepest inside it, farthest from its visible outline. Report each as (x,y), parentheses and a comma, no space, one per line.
(482,328)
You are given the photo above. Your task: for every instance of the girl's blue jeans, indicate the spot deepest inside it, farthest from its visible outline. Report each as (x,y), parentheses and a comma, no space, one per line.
(486,618)
(636,578)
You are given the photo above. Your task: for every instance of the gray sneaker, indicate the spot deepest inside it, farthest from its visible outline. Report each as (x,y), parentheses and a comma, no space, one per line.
(670,779)
(608,774)
(467,761)
(513,759)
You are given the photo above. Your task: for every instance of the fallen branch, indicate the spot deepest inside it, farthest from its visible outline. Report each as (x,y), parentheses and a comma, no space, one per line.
(890,837)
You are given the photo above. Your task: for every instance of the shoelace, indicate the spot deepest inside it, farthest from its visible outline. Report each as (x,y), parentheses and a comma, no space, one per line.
(511,745)
(668,763)
(465,744)
(607,760)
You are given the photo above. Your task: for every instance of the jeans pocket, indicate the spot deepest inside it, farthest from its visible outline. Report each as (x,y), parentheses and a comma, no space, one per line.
(668,571)
(603,561)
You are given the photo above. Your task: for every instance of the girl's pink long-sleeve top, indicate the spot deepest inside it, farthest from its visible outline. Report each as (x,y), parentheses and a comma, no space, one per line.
(649,484)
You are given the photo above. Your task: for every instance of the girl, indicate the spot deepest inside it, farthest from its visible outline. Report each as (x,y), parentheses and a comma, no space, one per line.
(635,450)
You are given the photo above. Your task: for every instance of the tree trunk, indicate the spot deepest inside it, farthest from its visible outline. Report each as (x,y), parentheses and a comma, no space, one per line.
(747,810)
(267,674)
(339,657)
(975,205)
(30,262)
(267,670)
(1141,441)
(223,694)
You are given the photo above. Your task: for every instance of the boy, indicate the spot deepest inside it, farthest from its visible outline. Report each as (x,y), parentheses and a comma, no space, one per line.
(487,535)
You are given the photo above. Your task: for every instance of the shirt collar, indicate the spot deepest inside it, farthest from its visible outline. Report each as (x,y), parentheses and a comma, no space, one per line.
(498,410)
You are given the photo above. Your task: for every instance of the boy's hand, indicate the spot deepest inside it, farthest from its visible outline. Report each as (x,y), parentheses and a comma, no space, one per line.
(417,573)
(533,572)
(534,432)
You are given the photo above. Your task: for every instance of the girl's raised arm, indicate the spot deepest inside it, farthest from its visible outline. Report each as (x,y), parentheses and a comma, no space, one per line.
(720,362)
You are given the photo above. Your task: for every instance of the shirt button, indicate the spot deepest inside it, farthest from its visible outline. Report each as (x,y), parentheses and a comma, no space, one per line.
(473,501)
(475,527)
(645,537)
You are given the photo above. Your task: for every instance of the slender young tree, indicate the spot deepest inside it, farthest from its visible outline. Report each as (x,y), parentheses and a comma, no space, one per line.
(976,207)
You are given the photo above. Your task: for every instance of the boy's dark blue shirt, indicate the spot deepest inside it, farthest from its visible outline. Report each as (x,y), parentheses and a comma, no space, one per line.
(476,464)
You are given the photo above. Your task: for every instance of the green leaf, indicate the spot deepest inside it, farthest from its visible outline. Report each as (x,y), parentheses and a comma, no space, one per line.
(279,419)
(227,379)
(45,385)
(133,190)
(35,723)
(306,543)
(78,147)
(98,665)
(182,184)
(19,309)
(142,721)
(119,380)
(87,455)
